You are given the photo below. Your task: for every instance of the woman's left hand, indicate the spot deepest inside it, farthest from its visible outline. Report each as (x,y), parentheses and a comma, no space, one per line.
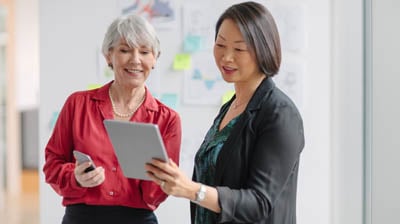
(171,179)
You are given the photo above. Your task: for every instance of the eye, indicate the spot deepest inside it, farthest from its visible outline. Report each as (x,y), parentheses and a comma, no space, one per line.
(145,52)
(124,50)
(240,49)
(219,45)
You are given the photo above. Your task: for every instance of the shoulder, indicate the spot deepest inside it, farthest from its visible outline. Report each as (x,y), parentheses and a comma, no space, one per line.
(278,104)
(92,94)
(79,96)
(167,118)
(280,117)
(276,108)
(272,99)
(278,98)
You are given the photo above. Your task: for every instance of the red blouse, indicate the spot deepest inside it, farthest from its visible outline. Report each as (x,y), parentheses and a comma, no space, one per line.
(80,126)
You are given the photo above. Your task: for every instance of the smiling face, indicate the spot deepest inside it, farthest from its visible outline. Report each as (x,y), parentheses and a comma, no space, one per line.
(131,65)
(234,58)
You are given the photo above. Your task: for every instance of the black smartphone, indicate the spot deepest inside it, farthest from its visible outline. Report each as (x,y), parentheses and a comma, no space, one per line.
(82,157)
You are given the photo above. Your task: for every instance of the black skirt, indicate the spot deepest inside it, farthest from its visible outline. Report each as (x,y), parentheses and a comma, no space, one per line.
(87,214)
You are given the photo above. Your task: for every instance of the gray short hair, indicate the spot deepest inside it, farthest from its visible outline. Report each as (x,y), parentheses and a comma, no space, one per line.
(137,32)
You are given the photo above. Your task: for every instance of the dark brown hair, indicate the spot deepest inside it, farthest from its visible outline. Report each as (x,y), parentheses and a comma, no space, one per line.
(259,31)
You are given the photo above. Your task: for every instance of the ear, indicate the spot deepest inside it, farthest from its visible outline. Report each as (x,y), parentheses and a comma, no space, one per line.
(154,62)
(108,58)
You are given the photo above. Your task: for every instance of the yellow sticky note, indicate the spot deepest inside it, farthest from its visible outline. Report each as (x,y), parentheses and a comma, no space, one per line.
(227,96)
(182,62)
(93,86)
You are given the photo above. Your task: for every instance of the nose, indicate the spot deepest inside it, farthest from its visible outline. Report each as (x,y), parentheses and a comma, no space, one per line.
(135,59)
(228,55)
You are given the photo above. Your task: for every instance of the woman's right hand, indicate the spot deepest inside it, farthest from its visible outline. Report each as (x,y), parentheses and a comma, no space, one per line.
(172,180)
(90,179)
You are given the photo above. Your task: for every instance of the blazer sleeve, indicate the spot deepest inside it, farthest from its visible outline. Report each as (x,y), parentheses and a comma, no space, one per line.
(272,160)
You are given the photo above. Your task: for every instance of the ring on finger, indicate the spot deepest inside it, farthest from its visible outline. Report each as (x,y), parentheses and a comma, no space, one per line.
(162,183)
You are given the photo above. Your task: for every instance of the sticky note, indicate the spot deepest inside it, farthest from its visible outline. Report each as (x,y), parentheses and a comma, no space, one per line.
(182,62)
(169,99)
(192,43)
(93,86)
(53,119)
(227,96)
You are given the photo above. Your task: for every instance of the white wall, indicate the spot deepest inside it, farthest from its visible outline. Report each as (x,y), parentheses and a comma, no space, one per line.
(383,160)
(347,112)
(314,187)
(71,31)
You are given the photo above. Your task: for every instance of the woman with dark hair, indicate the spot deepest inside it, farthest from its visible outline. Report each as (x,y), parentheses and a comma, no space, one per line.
(246,168)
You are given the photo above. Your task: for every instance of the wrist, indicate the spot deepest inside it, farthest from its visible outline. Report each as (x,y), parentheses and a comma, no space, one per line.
(199,194)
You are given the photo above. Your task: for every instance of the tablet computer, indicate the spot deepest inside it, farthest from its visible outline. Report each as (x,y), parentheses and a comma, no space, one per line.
(135,144)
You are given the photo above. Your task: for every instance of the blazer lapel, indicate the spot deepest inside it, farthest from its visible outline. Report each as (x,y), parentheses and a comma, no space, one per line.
(225,156)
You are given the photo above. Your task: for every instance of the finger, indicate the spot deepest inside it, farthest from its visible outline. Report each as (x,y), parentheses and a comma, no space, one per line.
(99,177)
(162,184)
(155,171)
(152,171)
(159,163)
(96,181)
(163,167)
(88,177)
(150,167)
(153,177)
(82,167)
(172,163)
(77,169)
(92,181)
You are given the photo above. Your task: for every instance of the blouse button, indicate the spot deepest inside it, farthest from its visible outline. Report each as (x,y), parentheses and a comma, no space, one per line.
(114,169)
(111,193)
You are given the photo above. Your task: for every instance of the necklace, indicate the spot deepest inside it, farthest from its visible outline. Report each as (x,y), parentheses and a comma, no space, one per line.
(122,115)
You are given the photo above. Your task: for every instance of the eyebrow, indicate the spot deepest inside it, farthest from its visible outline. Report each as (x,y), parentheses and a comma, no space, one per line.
(237,41)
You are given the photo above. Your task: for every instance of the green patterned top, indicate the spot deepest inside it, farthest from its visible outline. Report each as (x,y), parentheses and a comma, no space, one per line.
(205,162)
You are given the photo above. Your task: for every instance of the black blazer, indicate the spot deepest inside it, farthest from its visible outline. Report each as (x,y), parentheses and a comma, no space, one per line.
(256,171)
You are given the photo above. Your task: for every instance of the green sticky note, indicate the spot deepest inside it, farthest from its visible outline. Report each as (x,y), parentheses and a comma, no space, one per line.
(169,99)
(53,119)
(182,62)
(192,44)
(227,96)
(93,86)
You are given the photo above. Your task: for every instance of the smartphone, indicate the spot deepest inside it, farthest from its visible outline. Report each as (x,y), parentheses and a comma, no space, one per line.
(82,157)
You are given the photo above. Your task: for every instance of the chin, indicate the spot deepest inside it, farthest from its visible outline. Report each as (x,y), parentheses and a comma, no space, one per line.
(227,79)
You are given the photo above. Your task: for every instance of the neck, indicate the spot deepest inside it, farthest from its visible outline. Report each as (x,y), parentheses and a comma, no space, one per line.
(124,106)
(127,95)
(244,91)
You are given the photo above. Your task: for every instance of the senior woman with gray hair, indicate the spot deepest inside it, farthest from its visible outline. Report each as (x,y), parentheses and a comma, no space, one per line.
(104,195)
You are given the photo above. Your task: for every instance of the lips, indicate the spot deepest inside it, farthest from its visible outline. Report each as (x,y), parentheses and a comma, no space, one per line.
(134,71)
(228,70)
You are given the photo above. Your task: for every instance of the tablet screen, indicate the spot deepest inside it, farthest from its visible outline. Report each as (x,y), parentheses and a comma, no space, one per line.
(135,144)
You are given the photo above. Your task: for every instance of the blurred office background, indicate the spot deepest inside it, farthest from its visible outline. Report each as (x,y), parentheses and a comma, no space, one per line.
(346,89)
